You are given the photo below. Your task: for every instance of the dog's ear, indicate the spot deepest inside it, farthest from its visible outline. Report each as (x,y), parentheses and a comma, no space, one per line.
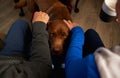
(48,25)
(31,5)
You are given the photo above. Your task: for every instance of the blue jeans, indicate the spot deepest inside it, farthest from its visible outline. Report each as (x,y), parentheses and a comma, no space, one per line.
(92,42)
(17,41)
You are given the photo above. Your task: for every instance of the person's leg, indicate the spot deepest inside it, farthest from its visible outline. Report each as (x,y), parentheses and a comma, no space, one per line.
(92,42)
(17,39)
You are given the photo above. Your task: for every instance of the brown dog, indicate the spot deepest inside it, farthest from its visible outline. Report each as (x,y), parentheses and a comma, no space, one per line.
(57,29)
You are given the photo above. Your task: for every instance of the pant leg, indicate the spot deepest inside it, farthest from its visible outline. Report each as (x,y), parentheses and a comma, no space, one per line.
(17,39)
(92,42)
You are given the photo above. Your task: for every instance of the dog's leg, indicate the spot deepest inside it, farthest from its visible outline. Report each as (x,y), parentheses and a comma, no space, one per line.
(20,4)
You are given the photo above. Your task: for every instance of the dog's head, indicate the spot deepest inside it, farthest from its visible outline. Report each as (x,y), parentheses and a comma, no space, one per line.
(58,33)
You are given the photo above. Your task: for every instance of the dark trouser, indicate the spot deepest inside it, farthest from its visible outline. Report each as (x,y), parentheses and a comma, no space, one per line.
(17,41)
(92,42)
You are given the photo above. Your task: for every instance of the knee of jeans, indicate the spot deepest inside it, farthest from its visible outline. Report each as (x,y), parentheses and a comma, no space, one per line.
(21,24)
(91,31)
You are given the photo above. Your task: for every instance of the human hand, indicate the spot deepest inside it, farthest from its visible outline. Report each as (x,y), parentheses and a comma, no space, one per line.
(70,24)
(40,16)
(118,11)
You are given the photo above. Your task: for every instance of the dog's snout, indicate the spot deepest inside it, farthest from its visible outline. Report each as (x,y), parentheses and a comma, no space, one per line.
(57,50)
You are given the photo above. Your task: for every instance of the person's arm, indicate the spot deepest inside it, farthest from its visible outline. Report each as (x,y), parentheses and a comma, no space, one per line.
(39,64)
(74,52)
(118,11)
(75,48)
(77,40)
(40,51)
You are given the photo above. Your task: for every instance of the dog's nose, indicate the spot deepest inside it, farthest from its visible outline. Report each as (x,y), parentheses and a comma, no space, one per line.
(57,50)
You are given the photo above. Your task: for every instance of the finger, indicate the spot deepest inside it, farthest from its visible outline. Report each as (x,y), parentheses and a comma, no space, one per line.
(40,11)
(43,14)
(35,13)
(69,21)
(66,22)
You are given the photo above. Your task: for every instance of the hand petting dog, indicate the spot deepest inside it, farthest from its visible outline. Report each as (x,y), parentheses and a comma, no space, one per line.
(70,24)
(40,16)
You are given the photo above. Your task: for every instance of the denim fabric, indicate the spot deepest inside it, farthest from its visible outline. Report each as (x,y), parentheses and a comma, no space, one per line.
(18,39)
(92,42)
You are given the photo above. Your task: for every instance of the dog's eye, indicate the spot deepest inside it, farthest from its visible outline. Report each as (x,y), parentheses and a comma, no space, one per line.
(64,35)
(52,34)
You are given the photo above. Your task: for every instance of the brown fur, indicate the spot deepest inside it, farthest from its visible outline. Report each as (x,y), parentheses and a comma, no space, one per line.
(58,33)
(57,29)
(20,4)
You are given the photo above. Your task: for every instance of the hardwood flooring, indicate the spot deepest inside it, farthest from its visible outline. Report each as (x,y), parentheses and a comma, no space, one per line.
(88,17)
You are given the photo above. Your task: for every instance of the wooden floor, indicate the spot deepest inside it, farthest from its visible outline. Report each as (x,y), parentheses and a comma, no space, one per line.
(88,17)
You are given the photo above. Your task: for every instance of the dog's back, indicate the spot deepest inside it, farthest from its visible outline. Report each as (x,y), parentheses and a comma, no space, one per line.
(54,8)
(58,11)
